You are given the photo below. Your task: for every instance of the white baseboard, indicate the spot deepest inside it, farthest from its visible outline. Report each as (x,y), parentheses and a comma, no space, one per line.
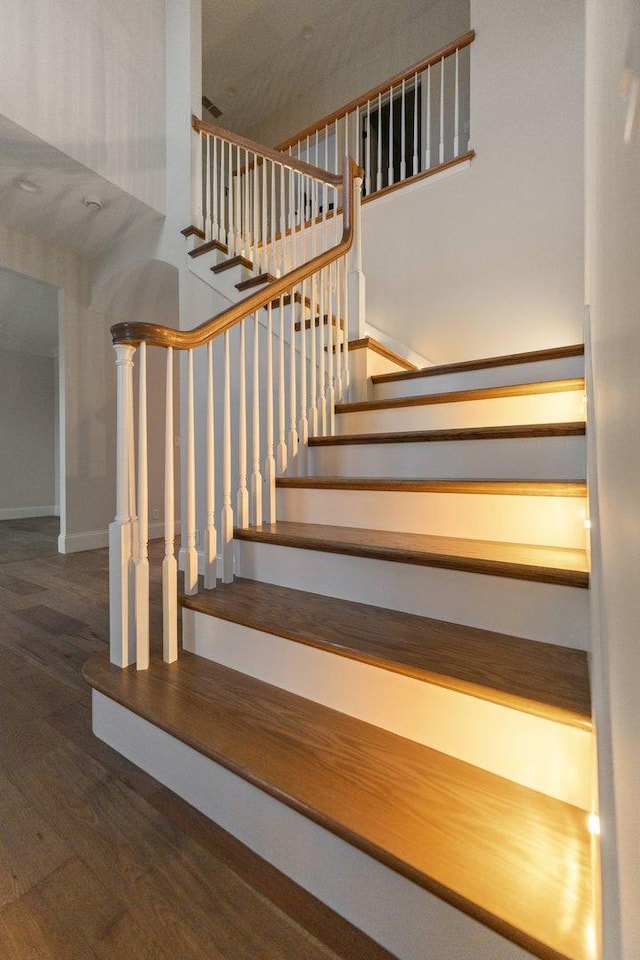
(24,513)
(97,539)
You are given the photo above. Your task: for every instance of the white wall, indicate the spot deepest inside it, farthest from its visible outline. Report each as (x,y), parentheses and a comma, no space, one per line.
(368,65)
(27,435)
(490,261)
(87,76)
(613,291)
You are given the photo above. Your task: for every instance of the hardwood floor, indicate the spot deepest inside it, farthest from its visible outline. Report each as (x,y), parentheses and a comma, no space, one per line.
(97,859)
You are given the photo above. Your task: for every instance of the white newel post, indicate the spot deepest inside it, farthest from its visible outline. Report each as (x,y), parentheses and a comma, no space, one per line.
(122,638)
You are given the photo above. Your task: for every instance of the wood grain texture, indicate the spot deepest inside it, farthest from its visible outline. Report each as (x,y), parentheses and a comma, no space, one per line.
(540,678)
(207,247)
(256,281)
(192,231)
(460,396)
(557,565)
(519,432)
(511,359)
(512,488)
(368,343)
(510,857)
(459,44)
(238,261)
(97,859)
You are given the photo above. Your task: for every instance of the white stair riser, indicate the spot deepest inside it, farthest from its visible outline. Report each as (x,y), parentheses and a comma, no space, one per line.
(546,521)
(559,369)
(563,407)
(536,611)
(356,886)
(540,458)
(538,753)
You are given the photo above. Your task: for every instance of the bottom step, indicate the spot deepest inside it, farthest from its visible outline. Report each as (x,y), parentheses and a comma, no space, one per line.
(420,827)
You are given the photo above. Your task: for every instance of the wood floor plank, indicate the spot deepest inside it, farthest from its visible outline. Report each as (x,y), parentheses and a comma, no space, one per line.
(557,565)
(120,828)
(540,678)
(515,859)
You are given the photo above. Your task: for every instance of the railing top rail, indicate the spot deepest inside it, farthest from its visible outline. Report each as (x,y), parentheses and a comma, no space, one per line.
(317,173)
(157,335)
(459,44)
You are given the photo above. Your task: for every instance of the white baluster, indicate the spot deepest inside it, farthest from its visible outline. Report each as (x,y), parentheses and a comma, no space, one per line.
(357,134)
(403,135)
(256,213)
(335,146)
(415,124)
(313,371)
(337,337)
(121,642)
(322,404)
(207,188)
(215,223)
(427,155)
(326,147)
(269,461)
(441,151)
(346,151)
(169,564)
(246,179)
(273,226)
(243,493)
(142,562)
(281,452)
(210,537)
(456,117)
(190,552)
(224,223)
(264,260)
(390,175)
(256,475)
(345,328)
(283,222)
(231,230)
(293,400)
(379,172)
(330,392)
(237,196)
(226,515)
(303,423)
(368,151)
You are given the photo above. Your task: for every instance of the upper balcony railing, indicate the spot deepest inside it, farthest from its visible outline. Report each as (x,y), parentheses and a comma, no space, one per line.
(408,127)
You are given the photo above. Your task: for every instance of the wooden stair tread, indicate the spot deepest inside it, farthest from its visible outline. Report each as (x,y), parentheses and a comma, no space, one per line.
(557,565)
(193,231)
(540,678)
(533,356)
(527,488)
(512,858)
(256,281)
(316,322)
(238,261)
(208,247)
(519,432)
(459,396)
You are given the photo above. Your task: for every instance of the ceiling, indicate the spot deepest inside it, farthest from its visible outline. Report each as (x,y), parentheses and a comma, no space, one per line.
(28,315)
(259,49)
(57,210)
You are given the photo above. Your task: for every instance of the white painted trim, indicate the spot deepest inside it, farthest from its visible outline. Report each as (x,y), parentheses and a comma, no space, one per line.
(397,347)
(353,884)
(418,185)
(97,539)
(23,513)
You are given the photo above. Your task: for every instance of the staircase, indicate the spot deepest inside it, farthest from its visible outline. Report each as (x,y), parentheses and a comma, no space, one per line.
(390,701)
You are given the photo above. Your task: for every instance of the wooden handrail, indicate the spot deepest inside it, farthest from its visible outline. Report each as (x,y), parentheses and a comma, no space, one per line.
(430,61)
(317,173)
(157,335)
